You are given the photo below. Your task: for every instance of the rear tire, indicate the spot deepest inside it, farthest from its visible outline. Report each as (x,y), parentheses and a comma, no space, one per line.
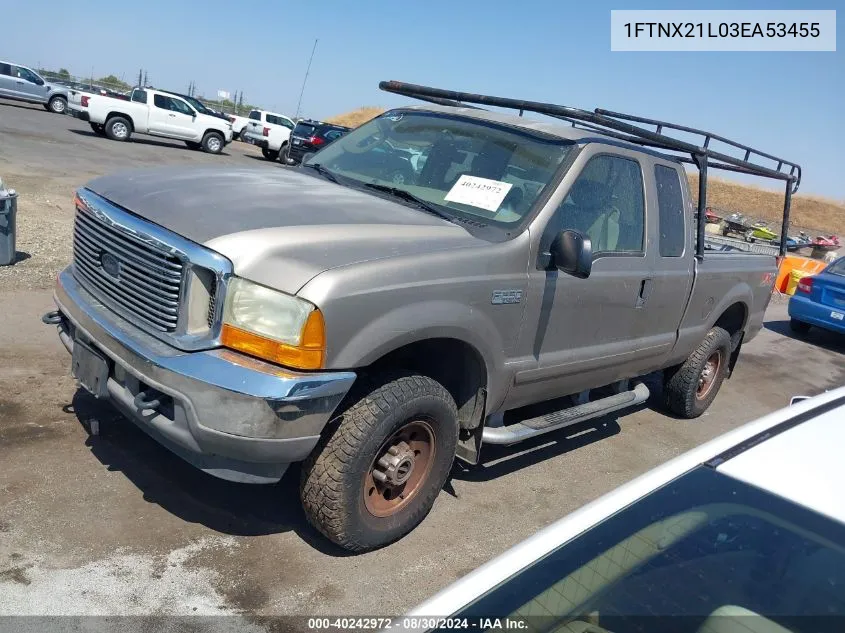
(799,327)
(269,154)
(98,128)
(118,128)
(57,105)
(212,143)
(375,475)
(690,388)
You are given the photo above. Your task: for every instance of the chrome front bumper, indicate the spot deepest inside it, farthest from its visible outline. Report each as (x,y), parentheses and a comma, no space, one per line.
(230,415)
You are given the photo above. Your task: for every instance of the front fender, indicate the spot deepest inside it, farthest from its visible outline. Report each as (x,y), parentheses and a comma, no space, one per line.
(421,321)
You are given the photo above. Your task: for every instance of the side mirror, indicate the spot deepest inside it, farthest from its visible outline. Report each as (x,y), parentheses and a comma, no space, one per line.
(572,253)
(795,399)
(306,157)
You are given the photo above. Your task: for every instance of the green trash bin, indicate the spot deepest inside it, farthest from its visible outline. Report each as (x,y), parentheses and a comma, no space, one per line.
(8,211)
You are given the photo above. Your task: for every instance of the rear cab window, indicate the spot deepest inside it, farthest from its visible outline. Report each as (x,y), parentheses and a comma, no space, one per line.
(255,115)
(670,202)
(702,546)
(837,267)
(139,96)
(6,69)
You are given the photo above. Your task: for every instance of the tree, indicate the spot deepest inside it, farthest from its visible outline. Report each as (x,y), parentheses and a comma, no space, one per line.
(64,73)
(113,82)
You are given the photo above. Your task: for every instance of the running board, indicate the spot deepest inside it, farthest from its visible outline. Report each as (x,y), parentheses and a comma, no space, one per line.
(566,417)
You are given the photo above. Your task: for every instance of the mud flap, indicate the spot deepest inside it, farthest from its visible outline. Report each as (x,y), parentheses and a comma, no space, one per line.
(736,345)
(469,440)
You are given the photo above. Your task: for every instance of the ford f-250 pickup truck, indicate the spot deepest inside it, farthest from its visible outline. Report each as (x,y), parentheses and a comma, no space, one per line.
(375,331)
(152,112)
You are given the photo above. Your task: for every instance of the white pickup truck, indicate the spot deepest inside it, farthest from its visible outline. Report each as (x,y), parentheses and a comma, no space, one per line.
(269,131)
(148,111)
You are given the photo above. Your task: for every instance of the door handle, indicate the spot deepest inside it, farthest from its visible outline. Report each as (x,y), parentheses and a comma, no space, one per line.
(645,291)
(173,116)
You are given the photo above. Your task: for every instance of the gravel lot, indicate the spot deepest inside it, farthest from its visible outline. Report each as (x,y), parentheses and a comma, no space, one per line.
(114,524)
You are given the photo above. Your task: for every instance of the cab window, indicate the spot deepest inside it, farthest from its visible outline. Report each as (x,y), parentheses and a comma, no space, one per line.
(606,203)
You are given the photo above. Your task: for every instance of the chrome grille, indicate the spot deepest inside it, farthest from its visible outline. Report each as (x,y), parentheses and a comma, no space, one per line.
(212,310)
(143,282)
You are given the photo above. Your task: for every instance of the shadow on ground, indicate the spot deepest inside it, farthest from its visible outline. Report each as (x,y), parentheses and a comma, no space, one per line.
(188,493)
(830,341)
(175,144)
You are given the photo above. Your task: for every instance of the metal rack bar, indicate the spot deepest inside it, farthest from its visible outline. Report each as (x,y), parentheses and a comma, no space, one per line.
(619,125)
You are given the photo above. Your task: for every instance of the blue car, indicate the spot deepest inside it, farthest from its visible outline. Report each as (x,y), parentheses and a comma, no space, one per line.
(820,300)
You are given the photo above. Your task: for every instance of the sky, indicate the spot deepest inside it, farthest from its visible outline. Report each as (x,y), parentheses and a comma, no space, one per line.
(788,104)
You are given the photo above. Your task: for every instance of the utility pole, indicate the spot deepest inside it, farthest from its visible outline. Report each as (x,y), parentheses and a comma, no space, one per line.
(145,79)
(140,78)
(307,70)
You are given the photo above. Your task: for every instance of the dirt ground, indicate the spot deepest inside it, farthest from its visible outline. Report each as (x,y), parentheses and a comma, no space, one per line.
(113,524)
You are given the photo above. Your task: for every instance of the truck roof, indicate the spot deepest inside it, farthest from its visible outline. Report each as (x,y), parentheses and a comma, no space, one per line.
(552,128)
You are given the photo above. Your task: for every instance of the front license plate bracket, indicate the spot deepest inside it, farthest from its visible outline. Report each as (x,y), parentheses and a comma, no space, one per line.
(91,369)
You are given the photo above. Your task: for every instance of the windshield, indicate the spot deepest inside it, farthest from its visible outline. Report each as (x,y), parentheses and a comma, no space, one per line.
(685,558)
(477,170)
(197,104)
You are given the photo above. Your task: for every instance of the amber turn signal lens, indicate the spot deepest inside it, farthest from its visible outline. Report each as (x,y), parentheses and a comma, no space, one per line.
(309,354)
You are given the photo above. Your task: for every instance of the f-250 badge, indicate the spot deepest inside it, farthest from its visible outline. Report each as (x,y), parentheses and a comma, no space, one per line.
(506,296)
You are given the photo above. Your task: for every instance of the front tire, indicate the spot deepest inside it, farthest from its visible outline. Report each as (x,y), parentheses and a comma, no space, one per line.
(212,143)
(118,128)
(375,475)
(799,327)
(690,388)
(57,105)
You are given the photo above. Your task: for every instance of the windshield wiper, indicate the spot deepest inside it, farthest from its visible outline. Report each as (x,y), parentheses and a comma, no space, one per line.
(321,170)
(407,196)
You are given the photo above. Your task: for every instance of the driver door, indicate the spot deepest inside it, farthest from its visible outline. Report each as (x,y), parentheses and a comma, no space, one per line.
(592,332)
(29,85)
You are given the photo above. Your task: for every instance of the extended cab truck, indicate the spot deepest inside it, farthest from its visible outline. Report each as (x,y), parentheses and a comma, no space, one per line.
(269,131)
(152,112)
(374,331)
(24,84)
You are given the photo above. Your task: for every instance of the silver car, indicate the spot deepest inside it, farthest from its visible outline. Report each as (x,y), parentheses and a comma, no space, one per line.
(24,84)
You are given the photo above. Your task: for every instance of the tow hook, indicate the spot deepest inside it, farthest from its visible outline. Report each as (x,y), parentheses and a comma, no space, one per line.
(147,400)
(53,317)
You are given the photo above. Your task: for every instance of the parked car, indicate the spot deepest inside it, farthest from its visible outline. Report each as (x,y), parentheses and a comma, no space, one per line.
(309,136)
(819,300)
(744,533)
(269,131)
(24,84)
(238,124)
(199,106)
(375,331)
(152,112)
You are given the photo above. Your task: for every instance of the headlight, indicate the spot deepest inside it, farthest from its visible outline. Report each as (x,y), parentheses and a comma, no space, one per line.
(273,326)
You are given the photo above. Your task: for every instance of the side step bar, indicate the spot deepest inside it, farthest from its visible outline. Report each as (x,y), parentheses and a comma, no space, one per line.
(513,433)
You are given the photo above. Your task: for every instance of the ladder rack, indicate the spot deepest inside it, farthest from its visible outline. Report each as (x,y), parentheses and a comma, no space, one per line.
(621,126)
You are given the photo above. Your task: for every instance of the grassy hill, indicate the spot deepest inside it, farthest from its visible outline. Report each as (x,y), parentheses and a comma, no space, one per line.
(811,213)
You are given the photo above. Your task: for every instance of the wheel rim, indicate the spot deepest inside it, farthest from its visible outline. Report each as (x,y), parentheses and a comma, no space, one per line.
(119,130)
(214,144)
(400,469)
(707,378)
(58,106)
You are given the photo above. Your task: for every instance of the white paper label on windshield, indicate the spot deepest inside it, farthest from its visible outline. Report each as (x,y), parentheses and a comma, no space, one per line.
(479,192)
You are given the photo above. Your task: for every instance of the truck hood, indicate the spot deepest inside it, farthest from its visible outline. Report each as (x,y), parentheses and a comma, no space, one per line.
(279,227)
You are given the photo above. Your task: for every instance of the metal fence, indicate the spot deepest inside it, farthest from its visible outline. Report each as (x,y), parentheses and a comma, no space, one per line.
(93,84)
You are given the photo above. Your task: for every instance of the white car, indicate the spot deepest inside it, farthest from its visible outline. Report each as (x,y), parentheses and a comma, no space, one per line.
(148,111)
(269,131)
(238,124)
(744,533)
